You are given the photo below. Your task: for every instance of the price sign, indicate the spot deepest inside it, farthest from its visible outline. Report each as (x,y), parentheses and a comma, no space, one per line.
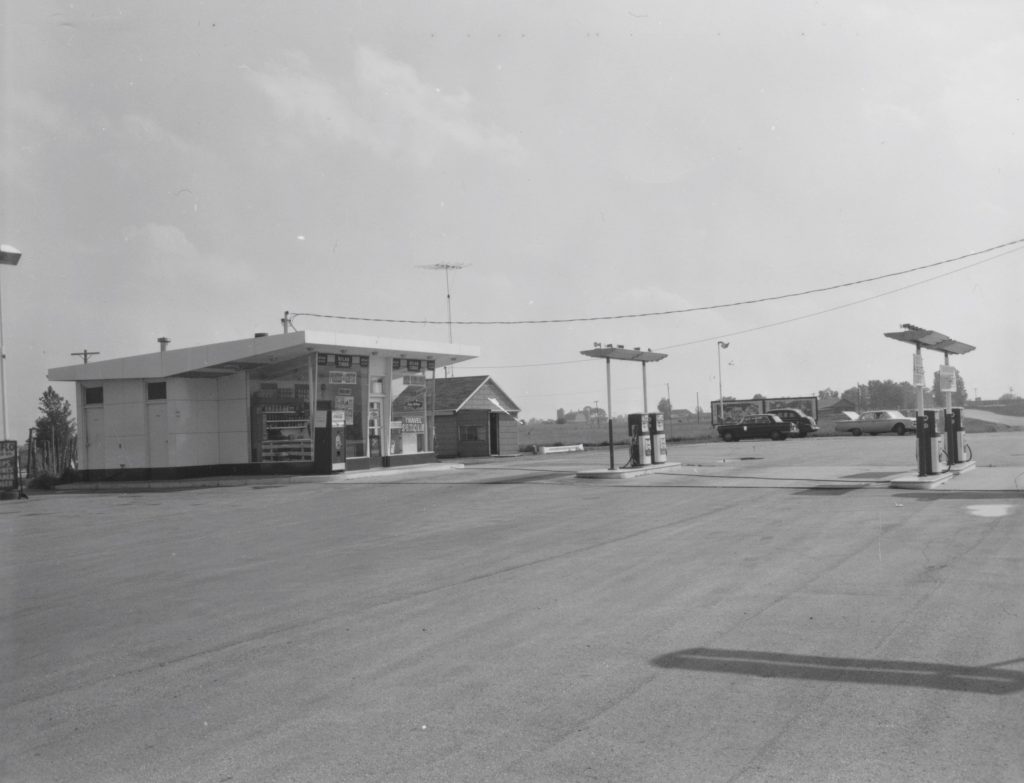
(918,370)
(947,378)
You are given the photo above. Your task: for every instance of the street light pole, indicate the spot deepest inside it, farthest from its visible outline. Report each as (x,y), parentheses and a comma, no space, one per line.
(721,402)
(8,256)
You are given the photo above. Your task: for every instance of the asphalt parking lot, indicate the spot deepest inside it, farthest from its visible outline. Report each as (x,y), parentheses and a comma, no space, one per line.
(758,612)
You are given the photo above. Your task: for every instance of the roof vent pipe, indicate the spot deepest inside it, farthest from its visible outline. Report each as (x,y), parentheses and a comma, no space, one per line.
(163,343)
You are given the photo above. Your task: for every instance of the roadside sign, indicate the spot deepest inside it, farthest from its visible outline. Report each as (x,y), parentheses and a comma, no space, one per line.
(8,464)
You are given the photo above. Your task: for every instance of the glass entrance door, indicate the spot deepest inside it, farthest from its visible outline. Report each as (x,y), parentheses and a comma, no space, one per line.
(375,430)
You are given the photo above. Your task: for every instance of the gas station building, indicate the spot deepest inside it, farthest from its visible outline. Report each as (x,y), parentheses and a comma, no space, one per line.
(298,402)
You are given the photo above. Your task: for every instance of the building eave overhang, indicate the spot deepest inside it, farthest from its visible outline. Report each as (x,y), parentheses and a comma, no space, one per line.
(220,359)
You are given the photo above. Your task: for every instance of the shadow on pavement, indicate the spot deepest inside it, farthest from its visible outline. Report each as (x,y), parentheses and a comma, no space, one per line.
(968,679)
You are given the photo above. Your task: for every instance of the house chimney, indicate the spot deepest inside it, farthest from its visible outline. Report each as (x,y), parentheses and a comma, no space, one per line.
(163,343)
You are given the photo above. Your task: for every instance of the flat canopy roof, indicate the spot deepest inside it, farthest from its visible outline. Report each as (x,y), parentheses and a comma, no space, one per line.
(219,359)
(627,354)
(926,338)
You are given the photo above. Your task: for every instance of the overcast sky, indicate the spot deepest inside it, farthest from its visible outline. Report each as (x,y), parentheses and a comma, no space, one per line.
(194,169)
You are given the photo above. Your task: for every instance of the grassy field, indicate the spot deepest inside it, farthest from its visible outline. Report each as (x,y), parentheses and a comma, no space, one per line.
(551,434)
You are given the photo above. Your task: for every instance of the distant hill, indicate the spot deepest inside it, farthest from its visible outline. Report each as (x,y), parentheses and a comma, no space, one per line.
(984,414)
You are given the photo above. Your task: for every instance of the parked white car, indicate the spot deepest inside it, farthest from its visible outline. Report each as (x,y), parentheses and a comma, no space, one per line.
(874,422)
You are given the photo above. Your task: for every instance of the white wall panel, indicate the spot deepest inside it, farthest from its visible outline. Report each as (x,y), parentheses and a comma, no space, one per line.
(190,416)
(233,387)
(125,451)
(191,389)
(195,449)
(121,392)
(233,416)
(124,419)
(234,448)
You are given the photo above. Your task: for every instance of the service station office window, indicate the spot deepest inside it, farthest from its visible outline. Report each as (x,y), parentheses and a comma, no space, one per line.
(408,429)
(281,424)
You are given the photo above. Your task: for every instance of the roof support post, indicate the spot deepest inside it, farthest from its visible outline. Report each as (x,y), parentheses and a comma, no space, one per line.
(920,388)
(948,394)
(643,370)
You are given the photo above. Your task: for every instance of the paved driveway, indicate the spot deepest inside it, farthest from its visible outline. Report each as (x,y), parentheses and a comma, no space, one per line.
(510,622)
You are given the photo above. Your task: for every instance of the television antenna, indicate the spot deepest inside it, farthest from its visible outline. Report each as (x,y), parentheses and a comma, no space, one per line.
(447,268)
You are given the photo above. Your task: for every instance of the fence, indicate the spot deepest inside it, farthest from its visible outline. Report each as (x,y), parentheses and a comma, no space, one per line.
(45,457)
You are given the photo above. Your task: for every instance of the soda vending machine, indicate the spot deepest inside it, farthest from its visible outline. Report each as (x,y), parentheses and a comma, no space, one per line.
(659,448)
(328,440)
(639,439)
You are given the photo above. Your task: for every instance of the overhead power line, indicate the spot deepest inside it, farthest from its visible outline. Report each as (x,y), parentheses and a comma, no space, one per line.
(681,311)
(758,328)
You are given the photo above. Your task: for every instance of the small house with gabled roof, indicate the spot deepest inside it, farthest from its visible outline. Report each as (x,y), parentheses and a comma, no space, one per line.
(473,417)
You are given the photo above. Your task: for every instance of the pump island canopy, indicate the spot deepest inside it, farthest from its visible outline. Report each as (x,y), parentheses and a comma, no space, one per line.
(926,338)
(627,354)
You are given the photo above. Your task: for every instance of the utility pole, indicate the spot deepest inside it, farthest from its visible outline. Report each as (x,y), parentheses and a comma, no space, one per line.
(85,353)
(721,401)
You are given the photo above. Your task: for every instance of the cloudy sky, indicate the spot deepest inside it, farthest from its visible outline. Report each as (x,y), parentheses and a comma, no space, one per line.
(195,169)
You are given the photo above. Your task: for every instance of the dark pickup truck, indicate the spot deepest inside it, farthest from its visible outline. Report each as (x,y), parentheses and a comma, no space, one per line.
(761,425)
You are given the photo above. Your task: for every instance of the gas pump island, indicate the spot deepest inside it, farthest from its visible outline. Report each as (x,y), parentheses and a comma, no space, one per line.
(929,436)
(646,430)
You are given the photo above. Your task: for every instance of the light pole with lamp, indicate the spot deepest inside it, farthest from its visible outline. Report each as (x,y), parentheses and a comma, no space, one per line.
(721,401)
(9,256)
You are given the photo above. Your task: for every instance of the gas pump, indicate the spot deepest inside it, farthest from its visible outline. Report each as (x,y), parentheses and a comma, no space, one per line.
(928,444)
(656,424)
(955,436)
(639,439)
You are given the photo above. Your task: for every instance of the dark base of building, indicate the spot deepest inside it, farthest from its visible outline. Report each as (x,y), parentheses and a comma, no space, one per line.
(304,468)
